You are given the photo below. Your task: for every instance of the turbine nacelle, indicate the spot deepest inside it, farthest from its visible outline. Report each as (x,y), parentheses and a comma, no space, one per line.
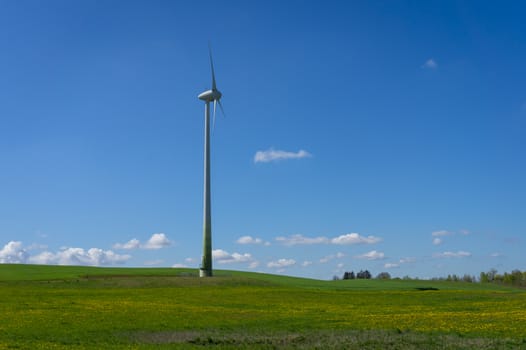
(210,95)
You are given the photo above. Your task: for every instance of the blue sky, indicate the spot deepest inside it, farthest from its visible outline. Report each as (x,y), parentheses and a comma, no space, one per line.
(387,136)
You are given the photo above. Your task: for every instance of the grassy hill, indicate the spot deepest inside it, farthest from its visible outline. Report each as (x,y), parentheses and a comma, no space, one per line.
(89,307)
(21,272)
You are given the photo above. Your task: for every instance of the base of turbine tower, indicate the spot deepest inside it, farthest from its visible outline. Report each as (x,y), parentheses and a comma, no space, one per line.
(205,273)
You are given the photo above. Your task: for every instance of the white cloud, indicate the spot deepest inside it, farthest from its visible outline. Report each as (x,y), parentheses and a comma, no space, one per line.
(13,253)
(438,236)
(44,258)
(281,263)
(179,265)
(407,260)
(347,239)
(79,256)
(251,240)
(459,254)
(39,234)
(152,262)
(328,258)
(372,255)
(391,265)
(272,155)
(399,263)
(355,238)
(300,239)
(131,244)
(238,258)
(253,265)
(219,254)
(430,64)
(441,233)
(495,255)
(156,241)
(223,257)
(306,263)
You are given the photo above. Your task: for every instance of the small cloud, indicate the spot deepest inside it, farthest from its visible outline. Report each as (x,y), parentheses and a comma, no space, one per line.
(300,239)
(399,263)
(372,255)
(179,265)
(391,265)
(153,262)
(131,244)
(441,233)
(355,238)
(496,255)
(40,234)
(281,263)
(272,155)
(306,263)
(347,239)
(251,240)
(223,257)
(220,254)
(438,236)
(430,64)
(156,241)
(253,265)
(328,258)
(459,254)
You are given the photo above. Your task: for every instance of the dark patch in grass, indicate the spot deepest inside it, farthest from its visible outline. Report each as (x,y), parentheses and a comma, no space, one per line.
(426,288)
(326,339)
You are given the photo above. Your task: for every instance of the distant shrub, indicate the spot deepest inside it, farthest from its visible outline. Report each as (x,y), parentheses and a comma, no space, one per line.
(383,276)
(364,275)
(349,275)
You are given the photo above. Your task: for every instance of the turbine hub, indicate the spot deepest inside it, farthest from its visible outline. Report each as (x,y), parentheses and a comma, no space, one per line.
(210,95)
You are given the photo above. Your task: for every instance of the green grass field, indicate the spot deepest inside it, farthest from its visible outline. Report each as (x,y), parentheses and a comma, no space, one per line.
(50,307)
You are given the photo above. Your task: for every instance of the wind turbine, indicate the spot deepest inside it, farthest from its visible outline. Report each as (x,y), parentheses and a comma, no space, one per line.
(212,95)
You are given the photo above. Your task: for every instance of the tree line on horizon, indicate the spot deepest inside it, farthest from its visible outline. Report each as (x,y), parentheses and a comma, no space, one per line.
(515,278)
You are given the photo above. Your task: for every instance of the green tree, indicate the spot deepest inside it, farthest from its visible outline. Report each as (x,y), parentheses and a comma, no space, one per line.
(383,276)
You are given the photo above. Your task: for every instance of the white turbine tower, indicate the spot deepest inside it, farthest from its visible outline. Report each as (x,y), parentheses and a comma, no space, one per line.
(212,95)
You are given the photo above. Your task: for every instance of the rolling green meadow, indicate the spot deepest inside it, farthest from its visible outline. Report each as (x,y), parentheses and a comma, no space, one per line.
(67,307)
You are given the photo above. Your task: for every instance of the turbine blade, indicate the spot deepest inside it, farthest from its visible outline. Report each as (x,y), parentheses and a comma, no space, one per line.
(221,107)
(214,116)
(212,66)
